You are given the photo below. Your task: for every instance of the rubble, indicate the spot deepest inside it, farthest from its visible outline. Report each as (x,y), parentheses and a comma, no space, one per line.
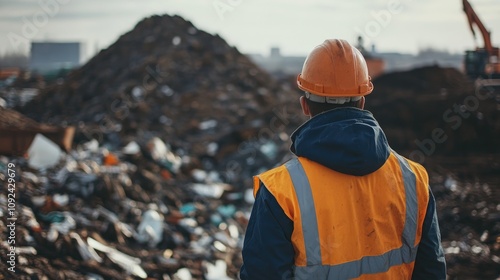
(165,118)
(74,217)
(168,79)
(436,110)
(469,214)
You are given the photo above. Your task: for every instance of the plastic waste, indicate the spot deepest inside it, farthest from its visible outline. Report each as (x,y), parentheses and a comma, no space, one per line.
(137,92)
(160,153)
(113,218)
(81,183)
(131,148)
(199,175)
(157,149)
(213,177)
(183,274)
(270,150)
(200,246)
(249,198)
(38,201)
(150,230)
(227,211)
(216,271)
(188,209)
(61,222)
(234,196)
(43,153)
(225,239)
(92,276)
(207,124)
(53,217)
(162,207)
(26,250)
(64,172)
(66,225)
(110,159)
(191,225)
(86,251)
(220,246)
(3,164)
(216,219)
(128,263)
(212,149)
(210,190)
(450,183)
(166,90)
(31,221)
(31,177)
(60,199)
(233,231)
(91,146)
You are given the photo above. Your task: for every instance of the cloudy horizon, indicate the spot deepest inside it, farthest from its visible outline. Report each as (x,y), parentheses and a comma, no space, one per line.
(254,26)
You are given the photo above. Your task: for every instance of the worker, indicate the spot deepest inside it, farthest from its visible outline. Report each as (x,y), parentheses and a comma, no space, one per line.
(347,206)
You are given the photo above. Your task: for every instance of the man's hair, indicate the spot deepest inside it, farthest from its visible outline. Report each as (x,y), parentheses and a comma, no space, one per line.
(317,108)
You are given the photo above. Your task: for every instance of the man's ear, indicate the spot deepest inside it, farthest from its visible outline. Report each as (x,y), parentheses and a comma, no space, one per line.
(361,103)
(305,107)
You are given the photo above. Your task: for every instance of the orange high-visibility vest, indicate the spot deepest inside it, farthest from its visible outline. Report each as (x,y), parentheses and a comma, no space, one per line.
(352,227)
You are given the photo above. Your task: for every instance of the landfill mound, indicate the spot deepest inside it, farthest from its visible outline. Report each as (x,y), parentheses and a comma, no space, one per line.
(436,110)
(169,79)
(172,123)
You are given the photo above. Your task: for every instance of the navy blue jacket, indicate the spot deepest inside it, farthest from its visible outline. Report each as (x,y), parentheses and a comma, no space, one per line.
(347,140)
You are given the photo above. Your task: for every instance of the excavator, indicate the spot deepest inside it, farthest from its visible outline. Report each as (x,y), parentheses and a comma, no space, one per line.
(482,64)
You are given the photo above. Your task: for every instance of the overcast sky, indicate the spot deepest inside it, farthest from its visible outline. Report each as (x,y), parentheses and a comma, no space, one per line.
(253,26)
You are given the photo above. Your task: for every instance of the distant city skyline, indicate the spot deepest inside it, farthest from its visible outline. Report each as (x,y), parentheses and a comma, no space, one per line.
(254,26)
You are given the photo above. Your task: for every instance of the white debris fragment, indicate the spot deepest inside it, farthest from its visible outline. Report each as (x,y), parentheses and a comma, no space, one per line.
(43,153)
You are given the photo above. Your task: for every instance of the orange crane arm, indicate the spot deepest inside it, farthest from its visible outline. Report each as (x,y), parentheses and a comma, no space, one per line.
(474,19)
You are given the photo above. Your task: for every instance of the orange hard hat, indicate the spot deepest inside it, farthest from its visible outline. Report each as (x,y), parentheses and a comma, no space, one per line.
(335,69)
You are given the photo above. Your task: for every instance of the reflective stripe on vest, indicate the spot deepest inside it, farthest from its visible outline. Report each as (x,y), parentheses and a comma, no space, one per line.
(368,264)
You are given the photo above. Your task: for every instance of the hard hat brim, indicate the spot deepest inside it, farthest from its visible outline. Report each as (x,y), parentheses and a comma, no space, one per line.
(322,90)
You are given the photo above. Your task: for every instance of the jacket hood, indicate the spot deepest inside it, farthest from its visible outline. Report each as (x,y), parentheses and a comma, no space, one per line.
(347,140)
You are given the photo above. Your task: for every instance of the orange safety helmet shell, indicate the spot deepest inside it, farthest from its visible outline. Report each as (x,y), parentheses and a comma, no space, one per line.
(335,69)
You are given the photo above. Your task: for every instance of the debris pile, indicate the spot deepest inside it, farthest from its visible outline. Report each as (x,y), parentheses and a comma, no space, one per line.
(436,110)
(166,78)
(469,216)
(171,125)
(105,214)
